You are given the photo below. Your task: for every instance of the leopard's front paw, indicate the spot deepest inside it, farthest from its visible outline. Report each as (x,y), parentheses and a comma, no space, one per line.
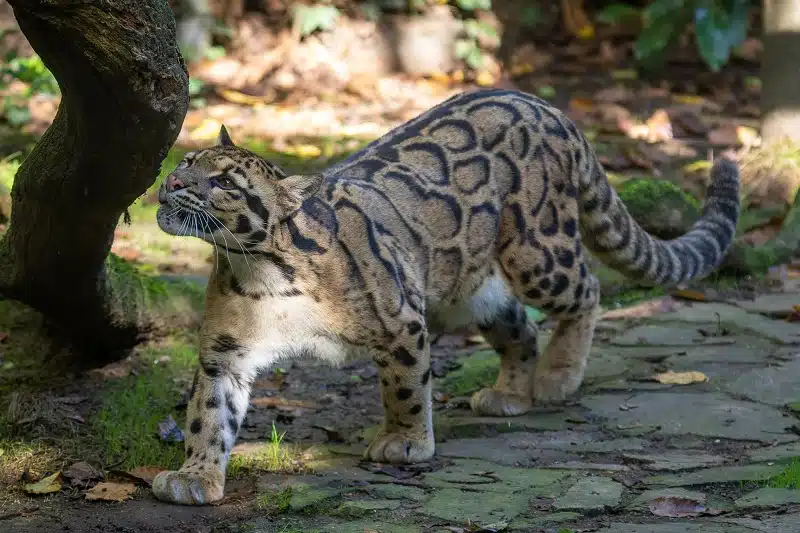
(189,488)
(492,402)
(400,448)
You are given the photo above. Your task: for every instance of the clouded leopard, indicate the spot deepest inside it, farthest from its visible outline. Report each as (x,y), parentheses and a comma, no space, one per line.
(483,204)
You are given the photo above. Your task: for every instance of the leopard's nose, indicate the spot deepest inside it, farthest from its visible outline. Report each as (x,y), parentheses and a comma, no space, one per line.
(174,183)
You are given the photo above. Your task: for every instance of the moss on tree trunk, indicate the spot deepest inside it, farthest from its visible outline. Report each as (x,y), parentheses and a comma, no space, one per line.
(124,95)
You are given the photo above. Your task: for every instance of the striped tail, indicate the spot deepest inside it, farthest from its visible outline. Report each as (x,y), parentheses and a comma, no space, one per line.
(618,241)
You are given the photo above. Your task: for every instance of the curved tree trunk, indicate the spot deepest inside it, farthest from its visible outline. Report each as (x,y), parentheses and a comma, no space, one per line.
(124,92)
(780,71)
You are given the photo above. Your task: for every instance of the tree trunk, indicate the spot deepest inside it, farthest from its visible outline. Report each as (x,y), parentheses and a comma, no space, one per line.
(124,92)
(780,71)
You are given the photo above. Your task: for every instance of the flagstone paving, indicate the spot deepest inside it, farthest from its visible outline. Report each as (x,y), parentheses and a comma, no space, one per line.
(598,463)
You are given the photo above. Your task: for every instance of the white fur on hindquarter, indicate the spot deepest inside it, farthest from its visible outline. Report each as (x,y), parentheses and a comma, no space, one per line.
(483,305)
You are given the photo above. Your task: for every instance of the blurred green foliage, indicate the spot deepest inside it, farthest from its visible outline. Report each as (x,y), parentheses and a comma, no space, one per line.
(719,27)
(35,78)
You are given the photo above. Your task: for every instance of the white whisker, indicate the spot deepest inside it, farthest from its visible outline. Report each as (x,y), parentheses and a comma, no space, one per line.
(245,251)
(211,232)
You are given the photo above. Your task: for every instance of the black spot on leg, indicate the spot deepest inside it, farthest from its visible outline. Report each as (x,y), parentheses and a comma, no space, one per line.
(384,382)
(403,356)
(189,452)
(233,425)
(416,409)
(414,328)
(578,291)
(564,257)
(196,426)
(560,285)
(404,393)
(534,294)
(222,447)
(426,377)
(213,403)
(203,457)
(216,461)
(570,227)
(421,342)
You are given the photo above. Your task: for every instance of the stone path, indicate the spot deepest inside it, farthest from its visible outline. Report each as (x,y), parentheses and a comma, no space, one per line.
(599,463)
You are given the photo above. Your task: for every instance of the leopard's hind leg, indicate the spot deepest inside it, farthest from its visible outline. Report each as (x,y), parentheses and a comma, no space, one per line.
(514,337)
(571,297)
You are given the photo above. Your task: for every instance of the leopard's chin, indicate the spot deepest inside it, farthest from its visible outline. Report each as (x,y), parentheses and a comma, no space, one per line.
(168,223)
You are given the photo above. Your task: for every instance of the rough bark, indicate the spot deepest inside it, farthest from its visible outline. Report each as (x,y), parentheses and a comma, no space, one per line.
(780,74)
(124,95)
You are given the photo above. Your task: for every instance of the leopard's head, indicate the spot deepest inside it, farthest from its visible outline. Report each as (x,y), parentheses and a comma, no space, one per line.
(226,194)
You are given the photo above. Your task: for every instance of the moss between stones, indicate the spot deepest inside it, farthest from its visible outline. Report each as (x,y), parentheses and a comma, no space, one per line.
(478,370)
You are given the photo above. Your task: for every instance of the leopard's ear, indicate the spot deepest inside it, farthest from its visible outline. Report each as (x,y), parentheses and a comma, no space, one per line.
(224,139)
(294,190)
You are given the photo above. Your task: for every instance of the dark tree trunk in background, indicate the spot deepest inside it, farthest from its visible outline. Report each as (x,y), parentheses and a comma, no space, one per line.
(124,96)
(780,71)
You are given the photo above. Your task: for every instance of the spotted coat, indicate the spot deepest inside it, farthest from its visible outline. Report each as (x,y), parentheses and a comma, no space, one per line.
(484,204)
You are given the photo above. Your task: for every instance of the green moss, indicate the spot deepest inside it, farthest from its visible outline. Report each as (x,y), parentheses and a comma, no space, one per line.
(138,296)
(789,478)
(660,206)
(274,456)
(632,296)
(649,192)
(478,370)
(274,503)
(126,424)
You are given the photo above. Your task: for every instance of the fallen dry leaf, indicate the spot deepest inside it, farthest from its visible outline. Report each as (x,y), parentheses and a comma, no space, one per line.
(111,492)
(575,19)
(45,485)
(659,127)
(241,98)
(747,136)
(676,507)
(725,135)
(283,403)
(484,78)
(81,474)
(690,294)
(120,369)
(643,309)
(681,378)
(144,474)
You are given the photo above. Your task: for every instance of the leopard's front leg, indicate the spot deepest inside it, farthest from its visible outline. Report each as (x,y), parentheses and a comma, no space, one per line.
(219,400)
(405,372)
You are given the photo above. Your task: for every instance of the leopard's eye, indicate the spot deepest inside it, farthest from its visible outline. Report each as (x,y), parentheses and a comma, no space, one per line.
(223,183)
